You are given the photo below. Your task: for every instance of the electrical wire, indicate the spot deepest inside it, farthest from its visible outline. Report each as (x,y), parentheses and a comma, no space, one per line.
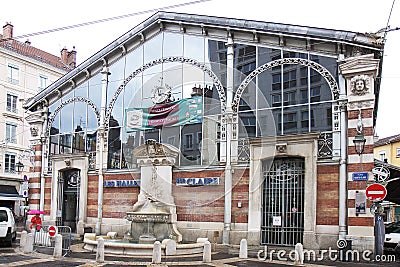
(109,19)
(388,20)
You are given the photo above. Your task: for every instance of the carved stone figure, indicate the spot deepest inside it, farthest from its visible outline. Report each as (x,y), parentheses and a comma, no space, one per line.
(359,85)
(34,131)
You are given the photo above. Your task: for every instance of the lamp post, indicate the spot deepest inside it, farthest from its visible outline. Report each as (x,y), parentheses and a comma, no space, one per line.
(19,167)
(359,143)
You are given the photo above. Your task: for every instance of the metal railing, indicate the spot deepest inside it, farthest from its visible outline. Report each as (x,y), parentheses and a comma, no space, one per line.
(43,239)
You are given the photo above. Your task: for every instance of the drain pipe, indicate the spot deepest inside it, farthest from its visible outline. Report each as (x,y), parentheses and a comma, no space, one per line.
(101,135)
(343,159)
(228,167)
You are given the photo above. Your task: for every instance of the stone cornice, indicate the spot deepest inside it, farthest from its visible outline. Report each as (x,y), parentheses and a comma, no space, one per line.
(358,65)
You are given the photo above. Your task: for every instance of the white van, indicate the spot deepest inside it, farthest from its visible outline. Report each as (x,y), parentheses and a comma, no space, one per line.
(8,231)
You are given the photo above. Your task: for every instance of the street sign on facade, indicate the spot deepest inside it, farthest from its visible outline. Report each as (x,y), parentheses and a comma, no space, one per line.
(360,176)
(52,230)
(376,192)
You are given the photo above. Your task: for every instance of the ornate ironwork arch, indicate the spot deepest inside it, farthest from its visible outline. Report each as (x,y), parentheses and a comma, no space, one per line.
(192,62)
(69,101)
(305,62)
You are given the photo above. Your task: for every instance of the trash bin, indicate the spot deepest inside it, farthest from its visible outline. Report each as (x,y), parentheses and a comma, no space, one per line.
(345,253)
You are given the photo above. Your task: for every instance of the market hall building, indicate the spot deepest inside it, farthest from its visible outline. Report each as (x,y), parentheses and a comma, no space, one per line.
(262,116)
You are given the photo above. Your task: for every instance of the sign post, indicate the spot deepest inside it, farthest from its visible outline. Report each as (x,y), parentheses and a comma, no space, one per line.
(25,192)
(376,193)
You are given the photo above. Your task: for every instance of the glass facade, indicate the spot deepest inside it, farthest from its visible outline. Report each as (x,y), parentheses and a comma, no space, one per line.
(286,99)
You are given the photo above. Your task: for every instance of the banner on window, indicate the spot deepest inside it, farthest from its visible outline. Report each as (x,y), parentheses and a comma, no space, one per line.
(180,112)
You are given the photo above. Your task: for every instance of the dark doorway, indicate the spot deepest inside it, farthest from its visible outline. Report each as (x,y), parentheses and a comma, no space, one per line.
(68,206)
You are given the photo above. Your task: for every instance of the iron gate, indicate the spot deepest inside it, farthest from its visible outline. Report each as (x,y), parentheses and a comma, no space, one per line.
(283,202)
(44,240)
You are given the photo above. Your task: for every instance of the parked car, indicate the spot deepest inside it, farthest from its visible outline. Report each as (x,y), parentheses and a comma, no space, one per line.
(392,237)
(8,231)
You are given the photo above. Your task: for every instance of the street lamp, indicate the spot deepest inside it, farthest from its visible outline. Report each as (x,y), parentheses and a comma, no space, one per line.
(19,167)
(359,143)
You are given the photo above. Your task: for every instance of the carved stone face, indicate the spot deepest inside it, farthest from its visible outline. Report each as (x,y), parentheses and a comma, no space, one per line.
(359,85)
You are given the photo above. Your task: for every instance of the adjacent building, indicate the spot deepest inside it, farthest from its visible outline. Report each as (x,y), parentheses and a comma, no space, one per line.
(263,115)
(387,161)
(388,149)
(24,71)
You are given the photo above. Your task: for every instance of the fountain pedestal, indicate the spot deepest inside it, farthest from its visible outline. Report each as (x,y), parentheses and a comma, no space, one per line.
(154,214)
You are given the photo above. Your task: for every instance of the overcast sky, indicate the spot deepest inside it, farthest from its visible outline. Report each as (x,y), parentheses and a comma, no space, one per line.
(351,15)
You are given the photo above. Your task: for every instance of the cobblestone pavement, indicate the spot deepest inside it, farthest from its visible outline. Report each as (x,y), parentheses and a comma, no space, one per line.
(79,257)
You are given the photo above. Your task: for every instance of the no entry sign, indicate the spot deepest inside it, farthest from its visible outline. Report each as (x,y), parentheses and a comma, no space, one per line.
(52,230)
(376,192)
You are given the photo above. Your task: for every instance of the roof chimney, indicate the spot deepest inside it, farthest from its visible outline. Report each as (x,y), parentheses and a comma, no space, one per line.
(72,57)
(8,31)
(69,57)
(64,55)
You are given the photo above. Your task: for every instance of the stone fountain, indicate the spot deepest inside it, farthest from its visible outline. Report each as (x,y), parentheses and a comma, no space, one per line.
(153,216)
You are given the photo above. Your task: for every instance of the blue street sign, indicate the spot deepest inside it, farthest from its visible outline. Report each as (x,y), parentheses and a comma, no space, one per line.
(360,176)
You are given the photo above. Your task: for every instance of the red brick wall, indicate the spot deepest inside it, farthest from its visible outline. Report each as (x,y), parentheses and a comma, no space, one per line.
(206,203)
(118,200)
(47,195)
(92,195)
(327,195)
(199,203)
(240,194)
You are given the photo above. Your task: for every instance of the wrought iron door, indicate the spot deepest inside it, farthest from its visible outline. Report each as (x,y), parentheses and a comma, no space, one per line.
(283,202)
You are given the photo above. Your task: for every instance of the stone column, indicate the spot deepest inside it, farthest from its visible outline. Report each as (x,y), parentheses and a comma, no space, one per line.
(360,75)
(37,121)
(102,150)
(229,136)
